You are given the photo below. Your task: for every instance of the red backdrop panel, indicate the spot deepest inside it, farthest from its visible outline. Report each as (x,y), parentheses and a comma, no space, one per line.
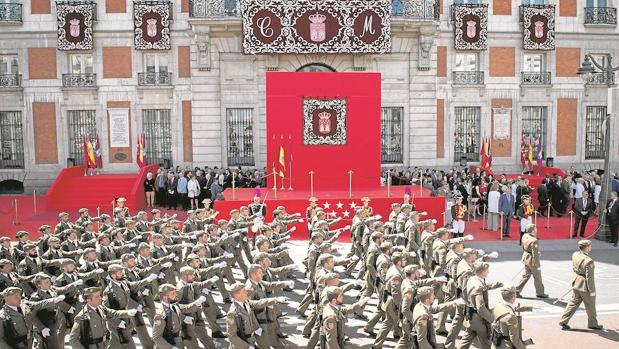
(331,163)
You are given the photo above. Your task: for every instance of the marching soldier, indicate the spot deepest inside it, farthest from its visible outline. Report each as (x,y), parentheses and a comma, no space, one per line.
(22,241)
(426,244)
(508,321)
(63,225)
(90,329)
(371,256)
(583,287)
(392,299)
(525,213)
(423,319)
(168,329)
(5,249)
(16,319)
(334,316)
(31,265)
(8,278)
(531,261)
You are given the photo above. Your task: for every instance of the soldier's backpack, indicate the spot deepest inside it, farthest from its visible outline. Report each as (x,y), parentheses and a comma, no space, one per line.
(496,336)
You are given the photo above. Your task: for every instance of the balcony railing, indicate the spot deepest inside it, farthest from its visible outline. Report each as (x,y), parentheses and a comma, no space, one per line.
(214,8)
(416,9)
(79,80)
(601,15)
(535,78)
(10,80)
(601,78)
(468,78)
(521,9)
(154,79)
(10,12)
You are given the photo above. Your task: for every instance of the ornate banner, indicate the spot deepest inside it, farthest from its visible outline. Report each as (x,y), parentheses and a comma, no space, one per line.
(324,121)
(470,26)
(538,23)
(75,20)
(151,22)
(316,26)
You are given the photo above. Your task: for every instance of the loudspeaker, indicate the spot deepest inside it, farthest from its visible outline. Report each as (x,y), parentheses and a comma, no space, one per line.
(550,162)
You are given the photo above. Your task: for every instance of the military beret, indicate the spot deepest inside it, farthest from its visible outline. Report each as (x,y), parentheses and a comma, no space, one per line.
(584,243)
(155,211)
(376,235)
(253,268)
(458,197)
(187,270)
(325,245)
(424,292)
(333,292)
(331,276)
(5,239)
(221,222)
(259,257)
(313,199)
(191,256)
(395,204)
(442,231)
(530,228)
(235,287)
(82,210)
(102,236)
(365,199)
(414,213)
(200,210)
(197,248)
(11,291)
(40,277)
(508,292)
(165,288)
(322,222)
(411,268)
(378,224)
(157,236)
(324,257)
(142,246)
(129,221)
(141,213)
(44,227)
(234,211)
(67,261)
(468,251)
(91,290)
(105,216)
(21,234)
(396,256)
(386,246)
(280,208)
(62,214)
(481,266)
(407,206)
(29,247)
(112,268)
(127,256)
(525,197)
(428,222)
(4,262)
(191,212)
(89,250)
(121,199)
(262,240)
(316,235)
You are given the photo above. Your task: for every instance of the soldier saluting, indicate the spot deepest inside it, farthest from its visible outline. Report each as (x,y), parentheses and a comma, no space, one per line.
(507,321)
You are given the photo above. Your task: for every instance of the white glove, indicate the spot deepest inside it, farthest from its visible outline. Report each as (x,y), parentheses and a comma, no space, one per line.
(200,300)
(258,332)
(412,254)
(493,255)
(99,271)
(188,244)
(45,332)
(293,228)
(214,279)
(58,299)
(354,258)
(378,216)
(161,275)
(80,251)
(188,320)
(221,264)
(206,291)
(71,310)
(422,272)
(468,237)
(166,265)
(592,294)
(78,282)
(434,221)
(228,254)
(176,259)
(289,283)
(131,245)
(481,252)
(301,220)
(146,292)
(363,301)
(151,277)
(452,230)
(297,267)
(251,347)
(460,301)
(424,213)
(121,324)
(280,299)
(139,308)
(174,347)
(132,312)
(224,236)
(359,282)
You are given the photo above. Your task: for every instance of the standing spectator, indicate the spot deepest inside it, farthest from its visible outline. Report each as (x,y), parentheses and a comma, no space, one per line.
(493,207)
(506,207)
(216,190)
(171,187)
(614,183)
(160,187)
(597,190)
(193,191)
(202,182)
(543,198)
(583,207)
(182,191)
(149,189)
(612,217)
(579,187)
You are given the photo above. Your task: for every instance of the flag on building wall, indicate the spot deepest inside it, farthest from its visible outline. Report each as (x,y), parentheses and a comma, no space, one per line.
(539,155)
(140,157)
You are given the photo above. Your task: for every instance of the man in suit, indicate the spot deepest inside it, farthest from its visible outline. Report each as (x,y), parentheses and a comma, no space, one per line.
(171,185)
(583,207)
(506,208)
(612,217)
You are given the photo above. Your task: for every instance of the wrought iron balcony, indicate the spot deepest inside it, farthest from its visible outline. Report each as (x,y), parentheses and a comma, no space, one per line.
(154,79)
(468,78)
(535,78)
(601,79)
(416,9)
(79,80)
(10,80)
(10,12)
(521,9)
(214,8)
(601,15)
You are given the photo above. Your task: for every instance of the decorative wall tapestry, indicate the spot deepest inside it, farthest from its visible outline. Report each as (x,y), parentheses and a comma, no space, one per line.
(538,23)
(470,26)
(324,121)
(75,21)
(316,26)
(151,22)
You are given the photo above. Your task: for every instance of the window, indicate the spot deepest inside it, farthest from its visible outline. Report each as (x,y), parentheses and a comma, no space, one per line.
(11,138)
(533,63)
(460,2)
(534,127)
(9,64)
(466,136)
(594,134)
(532,2)
(156,63)
(467,62)
(81,124)
(239,123)
(392,124)
(316,68)
(80,64)
(596,3)
(156,125)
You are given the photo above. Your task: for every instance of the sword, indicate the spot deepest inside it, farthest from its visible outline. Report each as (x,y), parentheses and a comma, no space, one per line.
(512,280)
(561,298)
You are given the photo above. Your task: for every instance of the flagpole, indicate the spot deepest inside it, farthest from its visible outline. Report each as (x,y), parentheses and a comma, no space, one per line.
(290,167)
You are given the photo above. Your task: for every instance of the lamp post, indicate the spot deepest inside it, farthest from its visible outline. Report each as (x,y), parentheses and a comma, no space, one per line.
(586,70)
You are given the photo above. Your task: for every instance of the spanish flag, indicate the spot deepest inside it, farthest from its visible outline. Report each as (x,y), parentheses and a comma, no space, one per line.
(92,162)
(282,161)
(140,157)
(530,155)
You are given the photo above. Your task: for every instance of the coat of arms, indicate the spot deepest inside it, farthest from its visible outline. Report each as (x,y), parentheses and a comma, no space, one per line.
(324,122)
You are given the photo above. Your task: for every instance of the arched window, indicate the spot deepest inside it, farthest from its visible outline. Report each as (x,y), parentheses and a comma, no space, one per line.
(316,68)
